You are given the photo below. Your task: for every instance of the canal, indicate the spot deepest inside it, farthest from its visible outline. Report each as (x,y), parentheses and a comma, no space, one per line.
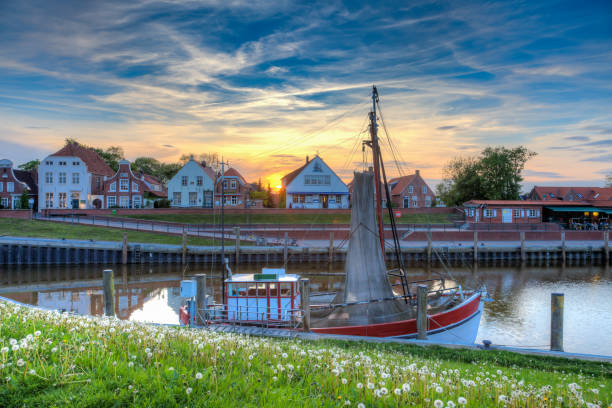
(519,314)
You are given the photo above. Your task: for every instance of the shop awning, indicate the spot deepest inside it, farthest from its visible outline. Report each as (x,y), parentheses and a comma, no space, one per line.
(572,209)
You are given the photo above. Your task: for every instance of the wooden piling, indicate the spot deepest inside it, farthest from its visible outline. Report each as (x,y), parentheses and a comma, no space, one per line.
(422,312)
(556,321)
(331,247)
(563,247)
(237,245)
(108,283)
(124,252)
(523,254)
(606,247)
(429,247)
(184,252)
(200,280)
(305,303)
(285,251)
(475,246)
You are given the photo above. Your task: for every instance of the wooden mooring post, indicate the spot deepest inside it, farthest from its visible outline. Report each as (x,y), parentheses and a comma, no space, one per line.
(305,303)
(556,321)
(606,247)
(523,254)
(563,248)
(422,312)
(286,251)
(429,247)
(237,245)
(124,251)
(331,247)
(475,246)
(200,280)
(184,252)
(108,283)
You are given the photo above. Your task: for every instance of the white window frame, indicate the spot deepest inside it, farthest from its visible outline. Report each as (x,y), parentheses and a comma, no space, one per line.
(531,213)
(111,201)
(10,187)
(49,200)
(136,201)
(1,186)
(410,189)
(62,198)
(134,186)
(4,201)
(516,213)
(61,178)
(193,198)
(424,190)
(184,180)
(76,178)
(113,187)
(234,200)
(16,203)
(124,201)
(199,180)
(49,177)
(124,185)
(489,213)
(175,195)
(233,184)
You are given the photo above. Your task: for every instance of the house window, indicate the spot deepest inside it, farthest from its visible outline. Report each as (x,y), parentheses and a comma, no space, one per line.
(193,198)
(225,184)
(427,201)
(49,178)
(62,163)
(517,213)
(62,200)
(176,198)
(470,212)
(338,199)
(113,187)
(234,200)
(317,168)
(74,199)
(49,163)
(488,214)
(316,180)
(4,202)
(10,187)
(135,187)
(61,178)
(76,179)
(424,190)
(48,200)
(123,175)
(406,202)
(124,185)
(410,189)
(112,201)
(16,203)
(76,163)
(299,198)
(136,200)
(415,201)
(532,213)
(184,180)
(1,186)
(97,182)
(199,180)
(233,184)
(124,202)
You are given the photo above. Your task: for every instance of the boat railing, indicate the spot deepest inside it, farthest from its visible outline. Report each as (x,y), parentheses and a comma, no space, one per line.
(251,316)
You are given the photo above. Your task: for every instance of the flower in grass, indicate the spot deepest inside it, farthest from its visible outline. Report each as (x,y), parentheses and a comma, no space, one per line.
(406,387)
(4,350)
(439,389)
(347,402)
(32,372)
(20,363)
(384,391)
(461,401)
(438,404)
(359,385)
(171,369)
(131,364)
(361,405)
(502,398)
(397,391)
(14,347)
(450,404)
(370,386)
(198,376)
(188,390)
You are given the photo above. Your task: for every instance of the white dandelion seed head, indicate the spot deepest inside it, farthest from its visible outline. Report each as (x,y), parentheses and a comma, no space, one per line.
(198,376)
(189,390)
(461,401)
(438,404)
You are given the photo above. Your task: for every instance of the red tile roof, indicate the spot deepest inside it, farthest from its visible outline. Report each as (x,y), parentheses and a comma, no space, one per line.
(94,162)
(587,193)
(401,183)
(524,202)
(288,178)
(208,170)
(232,172)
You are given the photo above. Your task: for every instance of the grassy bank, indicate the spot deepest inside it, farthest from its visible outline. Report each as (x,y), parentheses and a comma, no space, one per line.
(52,359)
(57,230)
(290,218)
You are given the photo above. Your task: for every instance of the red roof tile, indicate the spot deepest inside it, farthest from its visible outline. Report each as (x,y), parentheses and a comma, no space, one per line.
(94,162)
(288,178)
(208,170)
(232,172)
(401,183)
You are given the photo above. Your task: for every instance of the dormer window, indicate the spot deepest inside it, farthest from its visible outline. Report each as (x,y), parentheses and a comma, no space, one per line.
(317,168)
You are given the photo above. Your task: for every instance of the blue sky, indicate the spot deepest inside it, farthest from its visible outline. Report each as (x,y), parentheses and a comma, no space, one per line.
(267,83)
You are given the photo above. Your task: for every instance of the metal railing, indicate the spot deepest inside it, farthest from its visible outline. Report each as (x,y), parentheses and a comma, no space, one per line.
(290,319)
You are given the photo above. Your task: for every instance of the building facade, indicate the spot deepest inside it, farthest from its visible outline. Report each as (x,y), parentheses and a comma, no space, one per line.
(411,192)
(124,189)
(233,188)
(192,186)
(315,185)
(587,194)
(13,183)
(72,177)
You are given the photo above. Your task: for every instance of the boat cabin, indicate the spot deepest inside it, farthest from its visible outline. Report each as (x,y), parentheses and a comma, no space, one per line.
(271,295)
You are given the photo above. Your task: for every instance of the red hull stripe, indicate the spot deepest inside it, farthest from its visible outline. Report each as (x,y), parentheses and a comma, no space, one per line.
(408,327)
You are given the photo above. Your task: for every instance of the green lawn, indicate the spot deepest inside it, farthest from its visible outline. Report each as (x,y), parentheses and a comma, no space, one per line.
(58,230)
(290,218)
(48,359)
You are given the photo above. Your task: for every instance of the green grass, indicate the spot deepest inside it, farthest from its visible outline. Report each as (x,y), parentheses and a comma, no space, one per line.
(57,230)
(290,218)
(64,360)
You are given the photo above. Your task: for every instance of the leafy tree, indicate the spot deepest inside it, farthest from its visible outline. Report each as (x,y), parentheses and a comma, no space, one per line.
(31,165)
(495,174)
(24,201)
(111,155)
(211,159)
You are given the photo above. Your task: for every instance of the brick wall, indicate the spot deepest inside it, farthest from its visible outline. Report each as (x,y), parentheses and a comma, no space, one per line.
(23,214)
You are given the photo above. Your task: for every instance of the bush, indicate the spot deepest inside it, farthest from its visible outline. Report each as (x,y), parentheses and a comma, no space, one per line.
(161,203)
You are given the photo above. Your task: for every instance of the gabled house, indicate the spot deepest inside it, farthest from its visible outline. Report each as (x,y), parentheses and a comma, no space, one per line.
(411,192)
(124,189)
(72,177)
(192,186)
(588,194)
(314,185)
(234,187)
(13,183)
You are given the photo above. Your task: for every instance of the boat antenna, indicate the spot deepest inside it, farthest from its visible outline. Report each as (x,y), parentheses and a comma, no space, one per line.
(223,229)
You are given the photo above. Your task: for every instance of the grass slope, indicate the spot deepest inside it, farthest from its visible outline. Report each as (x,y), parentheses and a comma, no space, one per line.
(49,359)
(49,229)
(290,218)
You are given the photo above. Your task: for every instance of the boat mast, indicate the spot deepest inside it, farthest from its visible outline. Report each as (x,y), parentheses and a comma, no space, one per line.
(376,164)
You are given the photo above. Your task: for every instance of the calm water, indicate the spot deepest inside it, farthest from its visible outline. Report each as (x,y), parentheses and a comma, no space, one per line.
(519,314)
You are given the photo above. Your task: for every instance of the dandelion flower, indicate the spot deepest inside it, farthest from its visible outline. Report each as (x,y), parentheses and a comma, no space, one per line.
(439,389)
(438,404)
(188,390)
(361,405)
(32,372)
(344,381)
(397,391)
(198,376)
(461,401)
(359,385)
(20,363)
(406,387)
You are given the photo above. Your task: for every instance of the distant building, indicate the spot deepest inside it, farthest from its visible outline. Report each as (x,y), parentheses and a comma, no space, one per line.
(234,187)
(587,194)
(124,189)
(72,177)
(411,192)
(13,183)
(192,186)
(315,185)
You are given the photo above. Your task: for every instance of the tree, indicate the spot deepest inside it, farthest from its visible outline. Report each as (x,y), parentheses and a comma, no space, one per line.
(111,155)
(31,165)
(496,174)
(24,203)
(211,159)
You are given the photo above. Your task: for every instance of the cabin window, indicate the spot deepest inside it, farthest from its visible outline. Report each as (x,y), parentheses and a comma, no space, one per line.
(261,290)
(273,289)
(299,198)
(488,214)
(252,289)
(285,289)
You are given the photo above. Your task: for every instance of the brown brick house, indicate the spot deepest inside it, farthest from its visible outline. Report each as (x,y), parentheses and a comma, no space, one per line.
(124,189)
(591,195)
(411,192)
(13,183)
(235,188)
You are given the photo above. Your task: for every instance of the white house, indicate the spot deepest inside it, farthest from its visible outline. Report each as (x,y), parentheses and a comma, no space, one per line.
(315,185)
(192,186)
(72,177)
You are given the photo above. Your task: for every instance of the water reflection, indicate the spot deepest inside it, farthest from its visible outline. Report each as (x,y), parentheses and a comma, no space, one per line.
(518,316)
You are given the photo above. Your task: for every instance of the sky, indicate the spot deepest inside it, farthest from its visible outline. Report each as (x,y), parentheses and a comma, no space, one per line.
(266,83)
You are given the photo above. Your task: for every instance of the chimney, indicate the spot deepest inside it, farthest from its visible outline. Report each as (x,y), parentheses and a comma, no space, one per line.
(418,172)
(307,159)
(191,157)
(203,163)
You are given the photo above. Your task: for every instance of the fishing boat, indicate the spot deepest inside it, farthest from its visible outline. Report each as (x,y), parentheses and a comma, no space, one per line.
(369,304)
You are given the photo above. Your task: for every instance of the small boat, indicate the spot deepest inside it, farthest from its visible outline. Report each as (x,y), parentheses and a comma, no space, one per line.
(369,305)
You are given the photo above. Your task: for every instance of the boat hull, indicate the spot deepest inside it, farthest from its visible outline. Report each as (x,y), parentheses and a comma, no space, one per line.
(457,325)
